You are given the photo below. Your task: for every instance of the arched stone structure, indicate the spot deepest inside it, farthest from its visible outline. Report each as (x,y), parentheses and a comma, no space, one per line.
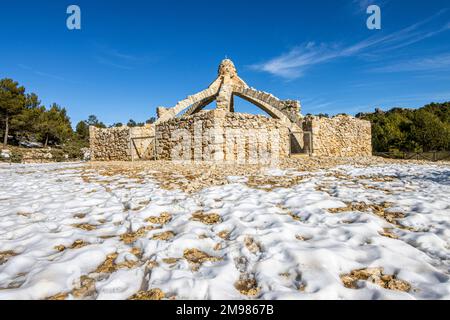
(225,135)
(222,90)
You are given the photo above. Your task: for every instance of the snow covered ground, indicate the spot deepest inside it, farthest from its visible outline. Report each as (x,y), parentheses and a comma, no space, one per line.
(69,232)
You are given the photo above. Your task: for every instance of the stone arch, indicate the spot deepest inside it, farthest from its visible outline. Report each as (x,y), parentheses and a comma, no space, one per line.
(229,84)
(165,114)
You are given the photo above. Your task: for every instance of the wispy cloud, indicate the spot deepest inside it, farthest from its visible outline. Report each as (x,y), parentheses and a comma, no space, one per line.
(440,62)
(114,58)
(111,63)
(294,63)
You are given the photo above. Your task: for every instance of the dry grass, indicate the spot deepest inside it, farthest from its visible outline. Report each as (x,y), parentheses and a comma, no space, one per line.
(58,296)
(167,235)
(252,245)
(376,276)
(152,294)
(6,255)
(224,234)
(196,258)
(108,266)
(377,178)
(269,183)
(170,260)
(86,288)
(163,218)
(131,237)
(302,238)
(197,176)
(84,226)
(289,213)
(24,214)
(136,251)
(378,209)
(247,286)
(206,218)
(387,232)
(75,245)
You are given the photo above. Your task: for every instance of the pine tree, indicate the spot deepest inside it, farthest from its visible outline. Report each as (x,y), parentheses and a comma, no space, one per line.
(54,125)
(12,102)
(82,130)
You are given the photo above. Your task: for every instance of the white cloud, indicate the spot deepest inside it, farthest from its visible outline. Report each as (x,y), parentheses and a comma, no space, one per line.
(294,63)
(437,63)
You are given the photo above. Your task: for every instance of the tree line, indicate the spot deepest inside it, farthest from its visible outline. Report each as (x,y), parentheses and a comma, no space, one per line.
(411,130)
(24,118)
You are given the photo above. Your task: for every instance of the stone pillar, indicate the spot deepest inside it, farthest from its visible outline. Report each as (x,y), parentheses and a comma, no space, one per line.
(223,101)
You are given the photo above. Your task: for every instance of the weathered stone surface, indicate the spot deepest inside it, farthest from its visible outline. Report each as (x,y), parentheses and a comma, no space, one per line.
(342,136)
(219,135)
(122,143)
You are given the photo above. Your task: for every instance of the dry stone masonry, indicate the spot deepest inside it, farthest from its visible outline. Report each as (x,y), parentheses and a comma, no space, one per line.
(121,143)
(218,135)
(341,136)
(186,132)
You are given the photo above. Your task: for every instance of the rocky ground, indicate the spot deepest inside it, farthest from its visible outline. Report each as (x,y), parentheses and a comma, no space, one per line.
(312,228)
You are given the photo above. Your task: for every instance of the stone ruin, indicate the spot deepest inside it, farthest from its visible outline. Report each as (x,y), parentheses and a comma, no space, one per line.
(187,132)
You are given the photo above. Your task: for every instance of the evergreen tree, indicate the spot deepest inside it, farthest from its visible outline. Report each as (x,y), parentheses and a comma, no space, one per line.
(12,102)
(55,125)
(131,123)
(82,130)
(93,121)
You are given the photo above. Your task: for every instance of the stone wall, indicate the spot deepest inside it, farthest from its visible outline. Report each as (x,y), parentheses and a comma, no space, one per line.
(258,135)
(220,135)
(109,143)
(142,142)
(121,143)
(342,136)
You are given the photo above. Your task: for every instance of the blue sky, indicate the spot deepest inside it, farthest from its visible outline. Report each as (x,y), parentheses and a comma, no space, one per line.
(132,56)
